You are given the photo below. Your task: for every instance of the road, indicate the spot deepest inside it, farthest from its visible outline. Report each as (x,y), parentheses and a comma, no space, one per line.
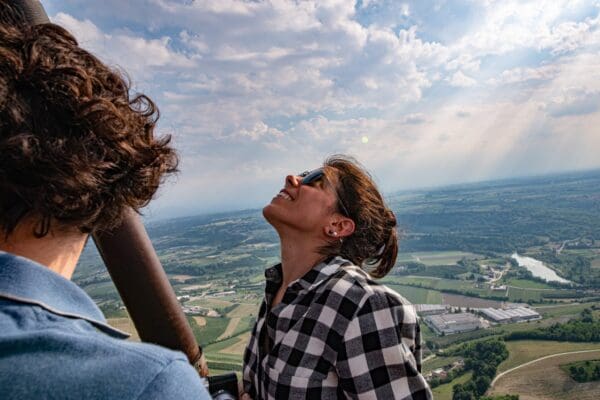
(497,278)
(536,360)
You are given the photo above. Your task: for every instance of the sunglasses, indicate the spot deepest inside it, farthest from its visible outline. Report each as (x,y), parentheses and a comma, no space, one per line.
(316,175)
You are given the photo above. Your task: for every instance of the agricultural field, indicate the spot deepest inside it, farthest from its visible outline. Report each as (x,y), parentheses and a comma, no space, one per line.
(125,324)
(459,300)
(544,379)
(461,286)
(466,287)
(526,284)
(524,295)
(243,310)
(522,351)
(209,332)
(101,291)
(438,362)
(444,392)
(432,258)
(227,354)
(564,309)
(417,295)
(583,371)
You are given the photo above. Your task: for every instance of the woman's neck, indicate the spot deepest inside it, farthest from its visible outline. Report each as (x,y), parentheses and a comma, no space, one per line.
(298,256)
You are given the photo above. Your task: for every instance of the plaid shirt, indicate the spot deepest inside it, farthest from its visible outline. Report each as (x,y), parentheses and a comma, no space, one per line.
(335,334)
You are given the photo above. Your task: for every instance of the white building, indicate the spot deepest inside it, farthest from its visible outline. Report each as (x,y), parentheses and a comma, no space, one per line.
(430,309)
(449,324)
(518,314)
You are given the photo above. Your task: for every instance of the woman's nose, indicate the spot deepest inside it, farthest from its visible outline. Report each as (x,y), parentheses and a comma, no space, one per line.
(293,180)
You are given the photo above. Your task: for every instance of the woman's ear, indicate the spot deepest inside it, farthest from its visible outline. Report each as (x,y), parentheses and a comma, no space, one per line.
(346,227)
(339,227)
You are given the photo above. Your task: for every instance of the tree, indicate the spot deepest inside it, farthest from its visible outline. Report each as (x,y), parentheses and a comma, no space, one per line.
(573,370)
(459,392)
(587,316)
(482,383)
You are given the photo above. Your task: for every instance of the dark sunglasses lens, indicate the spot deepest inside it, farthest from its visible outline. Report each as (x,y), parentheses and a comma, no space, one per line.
(313,176)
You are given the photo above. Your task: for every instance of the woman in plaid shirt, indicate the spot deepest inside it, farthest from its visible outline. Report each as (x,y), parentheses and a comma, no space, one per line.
(326,329)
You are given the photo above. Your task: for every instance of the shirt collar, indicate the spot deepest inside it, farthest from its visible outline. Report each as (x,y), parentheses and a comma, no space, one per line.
(25,281)
(311,279)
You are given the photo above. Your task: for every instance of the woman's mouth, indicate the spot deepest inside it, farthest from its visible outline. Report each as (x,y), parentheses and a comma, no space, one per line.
(284,195)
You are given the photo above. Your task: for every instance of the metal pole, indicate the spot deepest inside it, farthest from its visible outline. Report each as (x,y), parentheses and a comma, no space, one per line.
(145,289)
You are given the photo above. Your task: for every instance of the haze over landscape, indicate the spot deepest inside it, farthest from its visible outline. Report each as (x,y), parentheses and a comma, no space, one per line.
(423,93)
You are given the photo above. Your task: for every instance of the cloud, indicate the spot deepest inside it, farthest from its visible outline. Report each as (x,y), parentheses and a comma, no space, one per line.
(135,53)
(520,75)
(265,88)
(574,104)
(461,80)
(513,24)
(259,130)
(414,119)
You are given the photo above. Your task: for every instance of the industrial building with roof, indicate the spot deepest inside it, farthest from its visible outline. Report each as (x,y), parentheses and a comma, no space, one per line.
(430,309)
(518,314)
(448,324)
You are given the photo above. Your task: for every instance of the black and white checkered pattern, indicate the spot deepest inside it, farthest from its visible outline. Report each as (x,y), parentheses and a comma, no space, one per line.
(335,334)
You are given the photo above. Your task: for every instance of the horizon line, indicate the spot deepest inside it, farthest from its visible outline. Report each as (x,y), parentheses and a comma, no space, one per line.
(396,192)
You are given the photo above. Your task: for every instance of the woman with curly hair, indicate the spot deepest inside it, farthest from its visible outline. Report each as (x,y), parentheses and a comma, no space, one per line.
(326,329)
(76,151)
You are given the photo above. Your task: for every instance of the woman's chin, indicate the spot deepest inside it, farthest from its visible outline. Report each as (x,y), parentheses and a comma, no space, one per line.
(268,211)
(275,214)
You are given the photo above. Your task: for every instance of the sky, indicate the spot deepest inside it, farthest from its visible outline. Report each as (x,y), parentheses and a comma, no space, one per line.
(423,93)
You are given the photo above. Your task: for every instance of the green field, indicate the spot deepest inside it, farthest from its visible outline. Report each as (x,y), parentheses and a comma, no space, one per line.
(526,284)
(523,295)
(245,324)
(211,331)
(438,362)
(417,295)
(243,310)
(436,257)
(522,351)
(102,291)
(544,379)
(465,287)
(432,283)
(444,392)
(564,309)
(223,344)
(227,354)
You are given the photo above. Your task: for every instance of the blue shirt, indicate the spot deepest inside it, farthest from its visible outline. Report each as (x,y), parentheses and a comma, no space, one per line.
(56,344)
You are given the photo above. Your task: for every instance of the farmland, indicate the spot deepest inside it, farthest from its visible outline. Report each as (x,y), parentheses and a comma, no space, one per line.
(545,379)
(456,252)
(444,392)
(434,258)
(523,351)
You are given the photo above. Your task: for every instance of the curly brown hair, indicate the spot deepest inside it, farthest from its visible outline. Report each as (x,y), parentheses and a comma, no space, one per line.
(374,243)
(76,148)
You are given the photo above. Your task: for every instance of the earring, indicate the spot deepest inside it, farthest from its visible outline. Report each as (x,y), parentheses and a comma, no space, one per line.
(332,233)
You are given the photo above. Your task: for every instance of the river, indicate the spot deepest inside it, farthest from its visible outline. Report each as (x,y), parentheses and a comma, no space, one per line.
(538,269)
